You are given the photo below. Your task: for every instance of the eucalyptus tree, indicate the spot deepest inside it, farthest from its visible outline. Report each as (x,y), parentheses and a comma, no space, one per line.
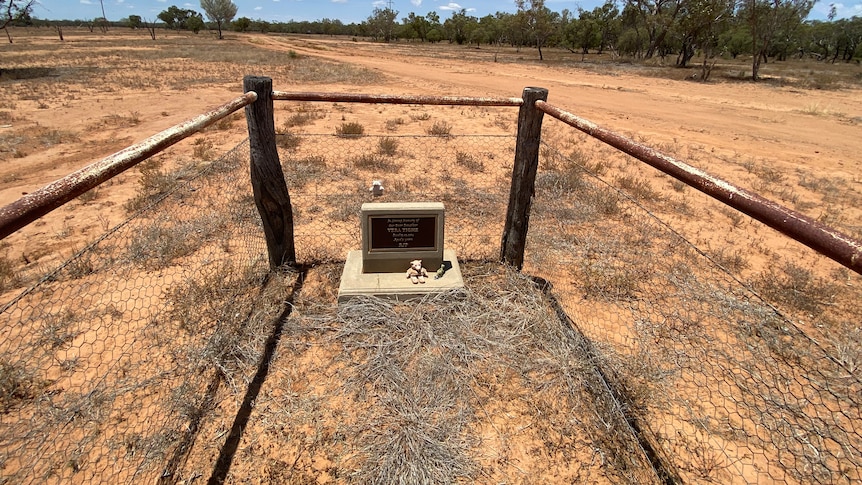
(459,26)
(701,22)
(14,11)
(768,20)
(219,11)
(657,17)
(135,21)
(540,22)
(418,24)
(180,18)
(381,24)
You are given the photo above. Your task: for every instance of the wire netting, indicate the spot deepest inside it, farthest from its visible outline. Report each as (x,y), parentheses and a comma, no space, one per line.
(137,359)
(110,363)
(330,177)
(723,385)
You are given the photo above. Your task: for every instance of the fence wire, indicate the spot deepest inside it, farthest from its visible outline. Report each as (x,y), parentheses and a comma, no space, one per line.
(724,387)
(112,364)
(132,360)
(331,176)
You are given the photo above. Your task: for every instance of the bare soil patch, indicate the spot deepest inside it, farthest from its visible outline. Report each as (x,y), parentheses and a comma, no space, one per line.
(63,105)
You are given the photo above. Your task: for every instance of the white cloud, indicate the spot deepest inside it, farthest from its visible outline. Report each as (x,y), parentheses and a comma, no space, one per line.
(86,2)
(416,3)
(455,7)
(842,11)
(258,9)
(339,1)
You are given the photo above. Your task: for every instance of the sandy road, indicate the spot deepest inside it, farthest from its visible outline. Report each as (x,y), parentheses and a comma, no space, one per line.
(792,128)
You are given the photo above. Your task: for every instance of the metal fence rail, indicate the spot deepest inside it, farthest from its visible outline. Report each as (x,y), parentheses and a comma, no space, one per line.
(800,227)
(129,362)
(722,385)
(40,202)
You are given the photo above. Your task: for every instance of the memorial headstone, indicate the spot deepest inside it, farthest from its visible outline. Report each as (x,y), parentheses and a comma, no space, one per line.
(393,235)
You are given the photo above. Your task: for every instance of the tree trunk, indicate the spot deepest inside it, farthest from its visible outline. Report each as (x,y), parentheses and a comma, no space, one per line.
(686,53)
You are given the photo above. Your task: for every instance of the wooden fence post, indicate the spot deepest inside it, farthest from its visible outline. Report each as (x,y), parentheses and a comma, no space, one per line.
(267,179)
(523,178)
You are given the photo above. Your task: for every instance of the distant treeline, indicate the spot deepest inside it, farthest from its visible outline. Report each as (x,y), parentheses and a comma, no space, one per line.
(640,29)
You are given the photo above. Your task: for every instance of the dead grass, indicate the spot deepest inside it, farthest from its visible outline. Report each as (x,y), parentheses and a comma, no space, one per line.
(468,389)
(469,162)
(375,162)
(387,146)
(154,183)
(288,141)
(8,275)
(18,385)
(440,128)
(300,172)
(796,288)
(439,390)
(350,129)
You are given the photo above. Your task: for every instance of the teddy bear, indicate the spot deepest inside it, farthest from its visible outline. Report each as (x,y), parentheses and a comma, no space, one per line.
(417,273)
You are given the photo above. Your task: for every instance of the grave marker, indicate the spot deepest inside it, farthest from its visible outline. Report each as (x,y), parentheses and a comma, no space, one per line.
(393,235)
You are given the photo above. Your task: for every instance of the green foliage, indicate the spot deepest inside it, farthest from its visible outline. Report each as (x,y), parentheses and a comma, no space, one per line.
(135,21)
(195,24)
(180,19)
(381,24)
(219,11)
(241,24)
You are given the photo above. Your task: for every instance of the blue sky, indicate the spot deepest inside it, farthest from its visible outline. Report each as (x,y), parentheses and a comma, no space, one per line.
(345,10)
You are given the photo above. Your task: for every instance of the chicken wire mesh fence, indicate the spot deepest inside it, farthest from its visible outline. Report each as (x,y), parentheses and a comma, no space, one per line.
(330,177)
(131,361)
(723,386)
(109,364)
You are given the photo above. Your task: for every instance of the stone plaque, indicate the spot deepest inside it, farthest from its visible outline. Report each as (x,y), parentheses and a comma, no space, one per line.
(400,233)
(395,233)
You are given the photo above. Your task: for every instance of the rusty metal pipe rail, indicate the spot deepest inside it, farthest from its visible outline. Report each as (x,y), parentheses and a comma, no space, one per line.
(397,99)
(44,200)
(824,239)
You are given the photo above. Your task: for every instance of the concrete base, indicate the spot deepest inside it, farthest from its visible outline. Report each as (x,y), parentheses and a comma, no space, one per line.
(395,285)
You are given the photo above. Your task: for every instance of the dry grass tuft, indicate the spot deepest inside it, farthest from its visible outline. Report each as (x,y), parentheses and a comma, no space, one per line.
(154,183)
(17,385)
(797,288)
(387,146)
(440,128)
(440,390)
(469,162)
(350,129)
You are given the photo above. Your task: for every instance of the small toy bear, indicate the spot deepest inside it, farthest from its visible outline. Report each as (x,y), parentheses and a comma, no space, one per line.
(417,273)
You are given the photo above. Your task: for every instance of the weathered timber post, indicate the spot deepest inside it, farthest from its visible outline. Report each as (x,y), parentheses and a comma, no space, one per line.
(523,178)
(267,179)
